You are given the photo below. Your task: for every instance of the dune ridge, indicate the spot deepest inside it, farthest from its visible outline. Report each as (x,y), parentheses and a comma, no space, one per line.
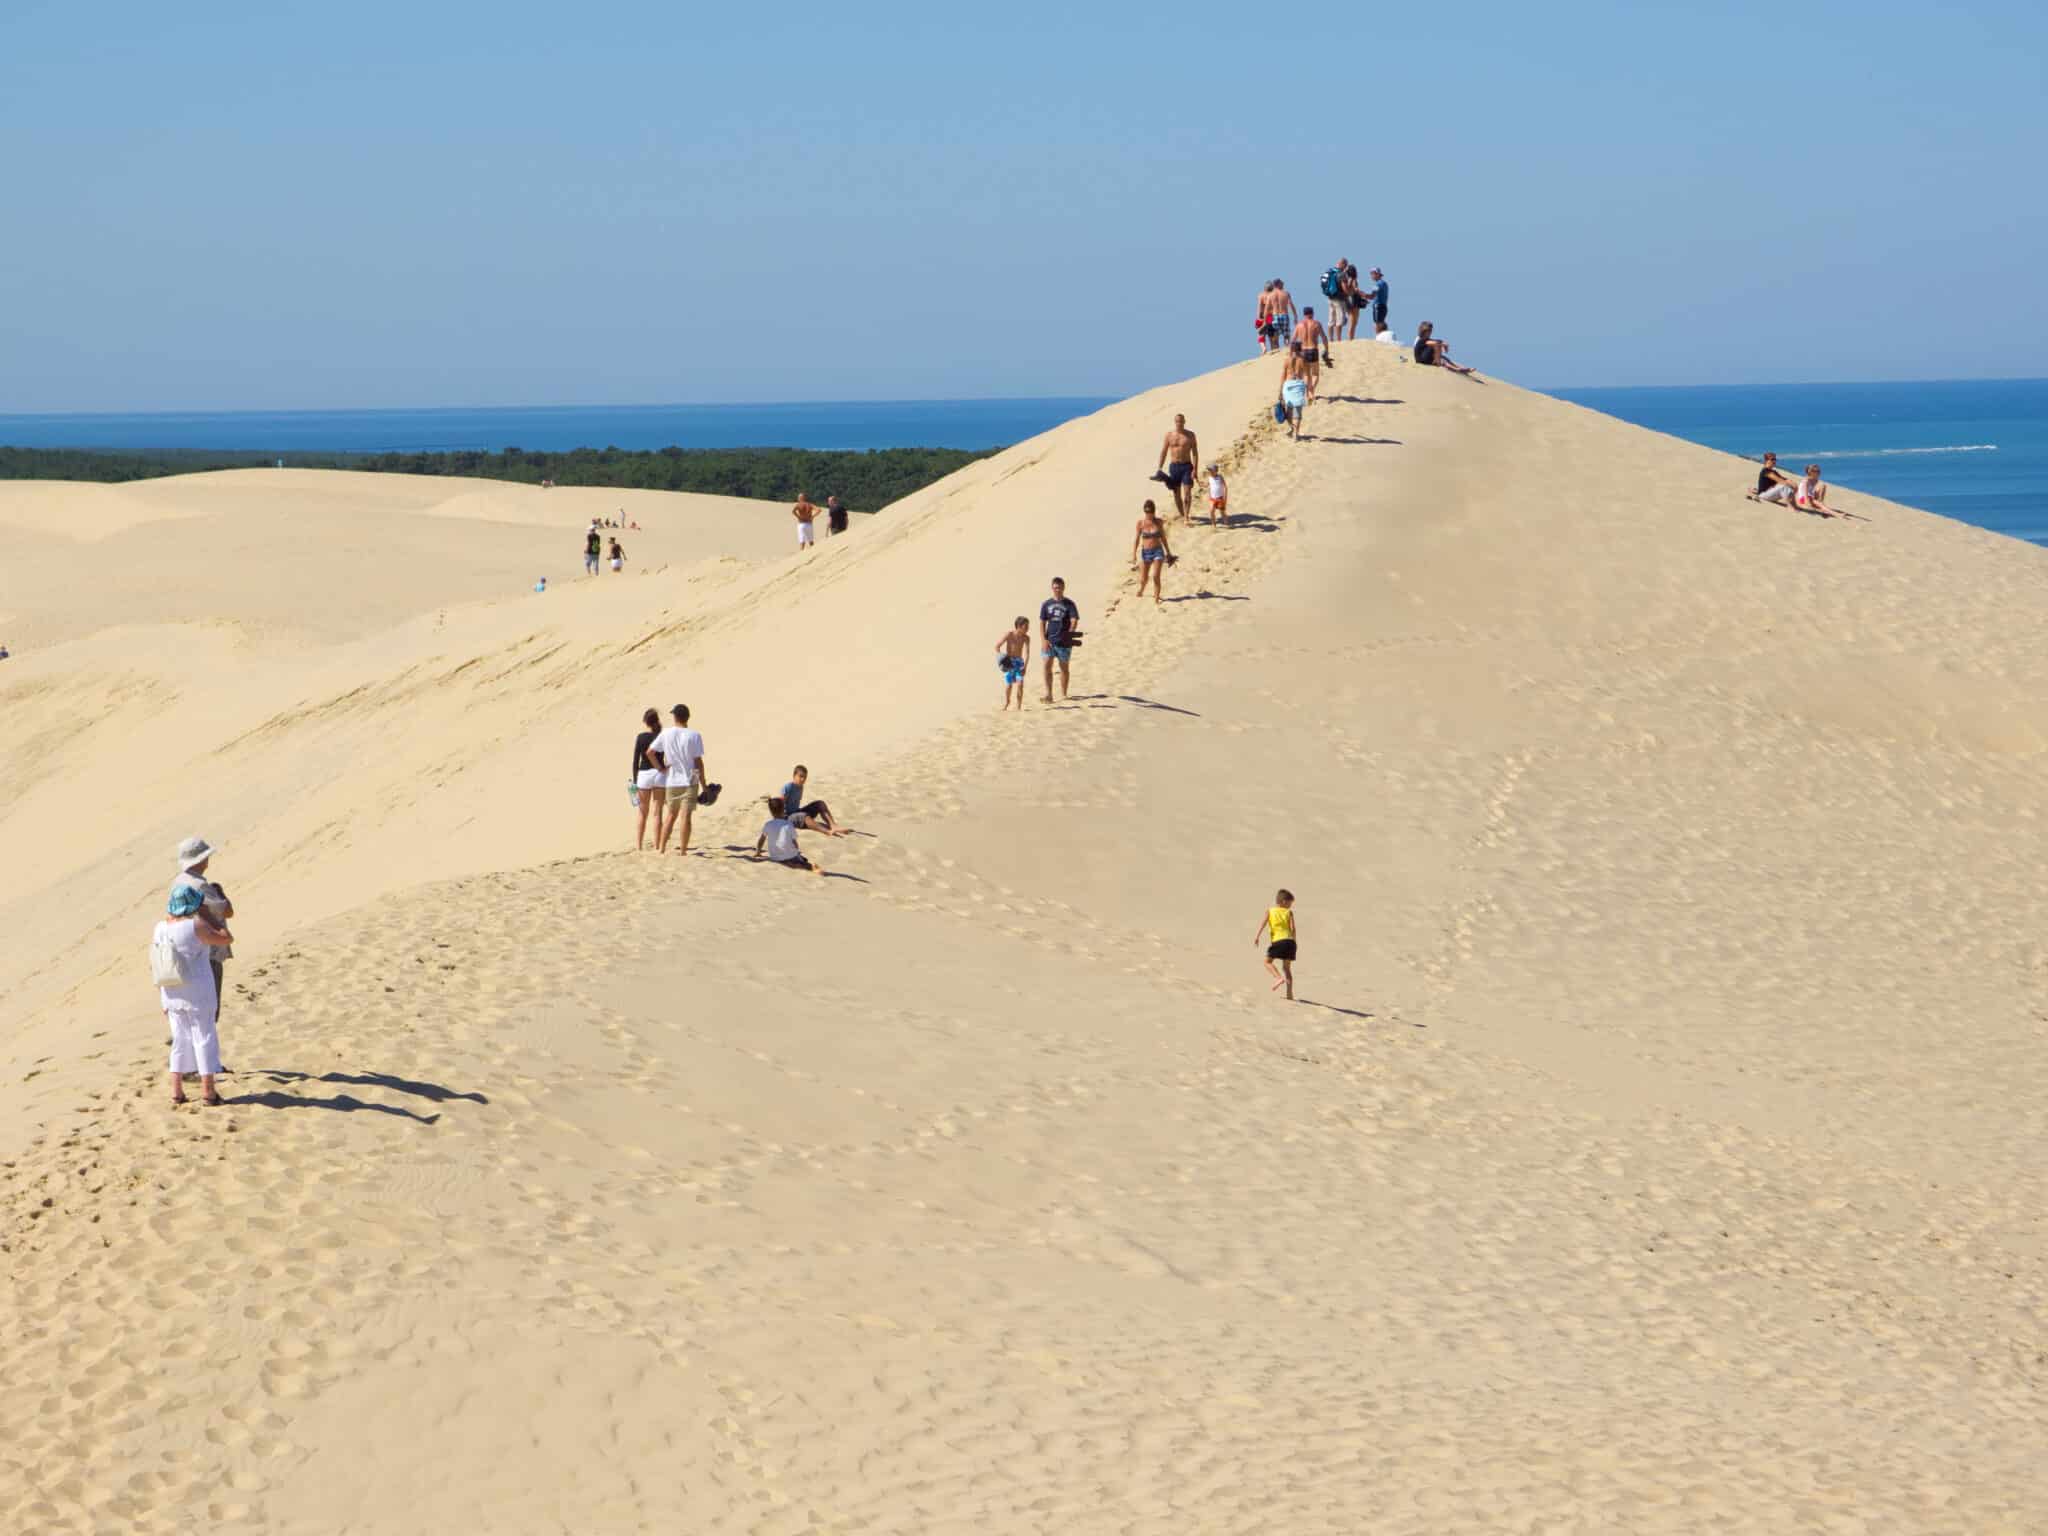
(1653,1149)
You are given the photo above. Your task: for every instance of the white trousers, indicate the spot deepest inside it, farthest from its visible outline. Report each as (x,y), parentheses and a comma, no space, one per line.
(195,1041)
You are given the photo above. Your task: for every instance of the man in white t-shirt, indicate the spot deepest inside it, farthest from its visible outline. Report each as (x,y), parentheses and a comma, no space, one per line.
(682,756)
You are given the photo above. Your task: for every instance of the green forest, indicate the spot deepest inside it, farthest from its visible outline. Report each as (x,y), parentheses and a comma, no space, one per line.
(865,481)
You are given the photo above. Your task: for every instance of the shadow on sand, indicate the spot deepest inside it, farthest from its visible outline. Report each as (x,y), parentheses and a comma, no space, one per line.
(348,1103)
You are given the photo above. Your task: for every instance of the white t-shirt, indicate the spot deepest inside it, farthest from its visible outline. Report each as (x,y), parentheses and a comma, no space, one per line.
(1215,487)
(781,841)
(197,993)
(680,747)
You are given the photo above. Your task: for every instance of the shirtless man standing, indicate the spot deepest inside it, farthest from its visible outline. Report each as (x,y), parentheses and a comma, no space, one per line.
(1284,313)
(1311,351)
(1177,458)
(1150,553)
(1265,322)
(806,515)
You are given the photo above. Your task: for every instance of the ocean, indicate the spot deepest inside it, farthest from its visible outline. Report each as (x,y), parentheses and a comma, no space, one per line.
(825,424)
(1975,450)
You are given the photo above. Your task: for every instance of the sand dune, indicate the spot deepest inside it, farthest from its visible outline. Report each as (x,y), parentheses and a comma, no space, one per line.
(1655,1148)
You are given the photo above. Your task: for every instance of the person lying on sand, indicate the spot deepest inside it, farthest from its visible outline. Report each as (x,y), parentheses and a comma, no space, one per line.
(1436,354)
(778,840)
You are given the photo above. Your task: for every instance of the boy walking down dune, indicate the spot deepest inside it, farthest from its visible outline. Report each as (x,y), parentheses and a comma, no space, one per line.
(1277,931)
(1011,650)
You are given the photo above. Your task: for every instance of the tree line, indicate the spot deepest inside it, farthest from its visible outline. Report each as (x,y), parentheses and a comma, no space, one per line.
(866,480)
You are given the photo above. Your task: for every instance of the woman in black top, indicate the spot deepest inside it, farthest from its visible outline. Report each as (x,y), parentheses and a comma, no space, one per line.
(648,779)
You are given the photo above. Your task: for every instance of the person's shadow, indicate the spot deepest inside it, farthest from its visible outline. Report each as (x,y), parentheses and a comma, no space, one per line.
(348,1103)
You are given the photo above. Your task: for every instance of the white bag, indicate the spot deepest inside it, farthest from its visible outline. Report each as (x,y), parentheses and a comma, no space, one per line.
(166,965)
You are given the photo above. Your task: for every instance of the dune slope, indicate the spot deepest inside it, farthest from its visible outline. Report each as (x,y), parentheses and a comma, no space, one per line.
(1653,1147)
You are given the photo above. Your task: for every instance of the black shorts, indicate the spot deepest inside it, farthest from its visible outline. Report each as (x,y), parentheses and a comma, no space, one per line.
(1280,949)
(799,862)
(1178,475)
(1379,314)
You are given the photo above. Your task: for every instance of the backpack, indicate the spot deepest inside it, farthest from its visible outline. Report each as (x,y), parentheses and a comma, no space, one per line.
(166,965)
(1333,283)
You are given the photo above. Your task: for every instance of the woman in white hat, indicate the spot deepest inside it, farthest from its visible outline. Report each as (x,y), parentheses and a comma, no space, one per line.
(189,1002)
(194,854)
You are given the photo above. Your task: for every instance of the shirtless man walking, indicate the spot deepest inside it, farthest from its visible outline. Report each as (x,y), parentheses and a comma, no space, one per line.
(1150,553)
(1311,351)
(1177,456)
(1284,313)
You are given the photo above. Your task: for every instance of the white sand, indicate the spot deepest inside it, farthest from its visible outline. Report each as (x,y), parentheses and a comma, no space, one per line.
(1660,1150)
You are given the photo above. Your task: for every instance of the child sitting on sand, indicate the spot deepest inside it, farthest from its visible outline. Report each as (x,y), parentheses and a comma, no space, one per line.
(1011,650)
(811,815)
(1277,932)
(778,840)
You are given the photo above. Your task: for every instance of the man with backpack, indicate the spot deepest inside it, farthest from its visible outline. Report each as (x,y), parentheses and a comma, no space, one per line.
(1333,290)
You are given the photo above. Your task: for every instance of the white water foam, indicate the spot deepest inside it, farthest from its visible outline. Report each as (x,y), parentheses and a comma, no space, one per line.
(1882,453)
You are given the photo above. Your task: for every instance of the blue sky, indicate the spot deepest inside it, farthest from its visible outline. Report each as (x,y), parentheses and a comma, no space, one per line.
(292,205)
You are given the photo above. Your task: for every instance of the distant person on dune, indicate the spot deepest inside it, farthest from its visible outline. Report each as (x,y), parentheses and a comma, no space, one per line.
(1150,553)
(808,815)
(1177,457)
(778,840)
(1294,393)
(1768,477)
(1010,653)
(1284,313)
(835,516)
(1059,625)
(681,752)
(649,781)
(186,991)
(593,547)
(1379,302)
(1344,319)
(1313,342)
(1264,325)
(1436,354)
(806,517)
(618,557)
(1278,933)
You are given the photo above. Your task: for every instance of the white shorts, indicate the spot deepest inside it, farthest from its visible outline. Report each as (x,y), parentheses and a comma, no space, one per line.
(651,778)
(806,533)
(195,1041)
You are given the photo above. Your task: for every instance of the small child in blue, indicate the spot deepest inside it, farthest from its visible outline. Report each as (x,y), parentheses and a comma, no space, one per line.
(1010,653)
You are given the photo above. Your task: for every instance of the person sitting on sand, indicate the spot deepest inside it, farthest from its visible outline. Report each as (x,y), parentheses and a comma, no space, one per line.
(1011,650)
(778,840)
(190,1003)
(1150,553)
(1294,393)
(808,815)
(1436,354)
(1278,933)
(1768,477)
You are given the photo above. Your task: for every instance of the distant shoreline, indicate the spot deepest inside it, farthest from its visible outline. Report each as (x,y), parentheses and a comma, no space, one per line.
(864,481)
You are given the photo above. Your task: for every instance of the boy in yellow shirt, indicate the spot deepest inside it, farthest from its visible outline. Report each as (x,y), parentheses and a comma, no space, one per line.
(1278,932)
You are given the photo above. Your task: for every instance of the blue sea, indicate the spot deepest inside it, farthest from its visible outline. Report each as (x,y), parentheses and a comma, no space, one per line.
(1976,450)
(834,425)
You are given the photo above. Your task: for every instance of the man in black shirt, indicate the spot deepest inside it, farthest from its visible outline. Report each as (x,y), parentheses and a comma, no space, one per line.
(1058,621)
(835,515)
